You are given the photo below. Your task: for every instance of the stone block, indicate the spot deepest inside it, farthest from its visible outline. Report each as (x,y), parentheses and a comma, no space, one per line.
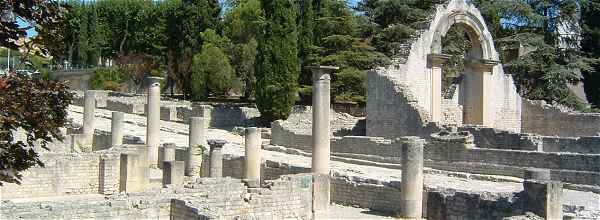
(81,143)
(544,198)
(173,172)
(134,173)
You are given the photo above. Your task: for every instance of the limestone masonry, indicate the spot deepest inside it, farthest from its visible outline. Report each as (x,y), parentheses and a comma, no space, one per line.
(479,152)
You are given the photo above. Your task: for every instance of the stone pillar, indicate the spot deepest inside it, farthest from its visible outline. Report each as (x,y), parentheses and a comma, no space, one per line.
(216,158)
(412,178)
(477,87)
(197,142)
(89,107)
(253,156)
(321,138)
(542,196)
(116,128)
(153,124)
(320,124)
(435,63)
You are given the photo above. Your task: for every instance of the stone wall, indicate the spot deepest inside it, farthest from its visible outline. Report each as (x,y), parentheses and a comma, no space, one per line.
(501,154)
(288,197)
(544,119)
(400,95)
(67,174)
(385,196)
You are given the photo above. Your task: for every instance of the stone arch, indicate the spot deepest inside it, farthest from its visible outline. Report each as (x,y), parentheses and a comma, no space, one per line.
(480,62)
(404,98)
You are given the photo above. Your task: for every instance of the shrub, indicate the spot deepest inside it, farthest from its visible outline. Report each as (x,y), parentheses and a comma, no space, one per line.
(108,79)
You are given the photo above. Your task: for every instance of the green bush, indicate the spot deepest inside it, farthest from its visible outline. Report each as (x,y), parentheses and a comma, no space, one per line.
(108,79)
(349,85)
(211,72)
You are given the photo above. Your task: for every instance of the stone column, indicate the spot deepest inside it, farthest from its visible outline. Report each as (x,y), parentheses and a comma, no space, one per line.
(116,128)
(320,124)
(89,107)
(412,178)
(253,156)
(153,124)
(321,138)
(435,63)
(543,196)
(216,158)
(476,103)
(197,142)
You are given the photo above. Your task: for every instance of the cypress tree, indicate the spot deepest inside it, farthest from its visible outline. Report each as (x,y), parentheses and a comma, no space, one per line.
(277,65)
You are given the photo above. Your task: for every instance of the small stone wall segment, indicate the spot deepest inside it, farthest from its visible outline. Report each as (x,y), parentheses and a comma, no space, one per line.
(544,119)
(64,174)
(288,197)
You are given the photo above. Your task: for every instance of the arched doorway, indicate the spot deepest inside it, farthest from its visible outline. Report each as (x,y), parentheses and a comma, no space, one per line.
(478,67)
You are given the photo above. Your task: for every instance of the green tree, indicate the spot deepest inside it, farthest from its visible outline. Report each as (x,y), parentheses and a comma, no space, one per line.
(211,70)
(242,25)
(277,66)
(35,106)
(339,42)
(185,21)
(556,61)
(590,45)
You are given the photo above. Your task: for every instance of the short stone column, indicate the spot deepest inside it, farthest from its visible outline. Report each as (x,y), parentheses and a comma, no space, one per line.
(253,156)
(412,178)
(435,63)
(543,196)
(197,142)
(321,138)
(116,128)
(216,158)
(89,107)
(153,124)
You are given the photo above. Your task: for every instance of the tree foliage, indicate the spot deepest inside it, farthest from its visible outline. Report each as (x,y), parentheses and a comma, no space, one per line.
(211,71)
(35,107)
(551,28)
(277,65)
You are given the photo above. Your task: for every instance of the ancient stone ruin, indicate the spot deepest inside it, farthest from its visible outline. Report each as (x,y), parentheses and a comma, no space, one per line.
(485,153)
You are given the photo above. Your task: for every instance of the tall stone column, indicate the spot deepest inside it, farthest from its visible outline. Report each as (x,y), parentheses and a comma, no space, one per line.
(195,148)
(253,156)
(435,63)
(116,128)
(321,138)
(153,124)
(320,124)
(216,158)
(89,107)
(412,178)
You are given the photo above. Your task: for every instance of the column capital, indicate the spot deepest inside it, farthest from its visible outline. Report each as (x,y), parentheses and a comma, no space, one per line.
(484,65)
(322,72)
(216,143)
(437,59)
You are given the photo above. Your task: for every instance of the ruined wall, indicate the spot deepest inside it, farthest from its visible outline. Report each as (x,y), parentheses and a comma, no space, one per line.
(67,174)
(502,153)
(288,197)
(408,80)
(544,119)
